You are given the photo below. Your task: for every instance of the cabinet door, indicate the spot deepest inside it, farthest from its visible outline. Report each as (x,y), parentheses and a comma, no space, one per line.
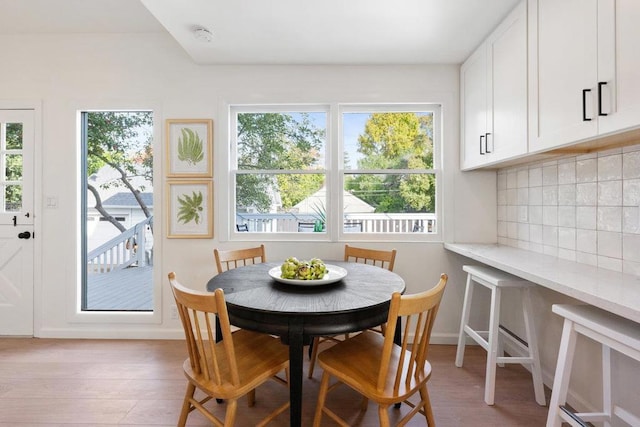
(619,64)
(473,93)
(563,72)
(507,60)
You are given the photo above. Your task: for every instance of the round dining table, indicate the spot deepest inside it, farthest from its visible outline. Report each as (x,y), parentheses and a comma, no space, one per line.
(298,312)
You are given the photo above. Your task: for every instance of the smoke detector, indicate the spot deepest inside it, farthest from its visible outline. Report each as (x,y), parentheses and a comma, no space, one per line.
(202,34)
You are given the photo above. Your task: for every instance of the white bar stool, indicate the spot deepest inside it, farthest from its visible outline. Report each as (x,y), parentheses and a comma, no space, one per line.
(496,280)
(613,332)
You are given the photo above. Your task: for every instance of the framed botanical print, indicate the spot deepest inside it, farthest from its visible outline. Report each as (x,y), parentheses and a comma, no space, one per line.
(189,148)
(190,209)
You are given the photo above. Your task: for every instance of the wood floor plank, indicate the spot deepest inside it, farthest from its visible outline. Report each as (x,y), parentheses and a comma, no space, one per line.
(138,383)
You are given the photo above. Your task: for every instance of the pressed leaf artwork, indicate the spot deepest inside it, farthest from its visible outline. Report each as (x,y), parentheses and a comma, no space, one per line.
(190,147)
(190,207)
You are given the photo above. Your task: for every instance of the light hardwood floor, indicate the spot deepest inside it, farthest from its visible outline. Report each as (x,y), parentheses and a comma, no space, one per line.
(81,383)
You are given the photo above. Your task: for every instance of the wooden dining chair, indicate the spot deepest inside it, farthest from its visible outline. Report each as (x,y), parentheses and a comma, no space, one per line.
(229,369)
(382,371)
(380,258)
(226,260)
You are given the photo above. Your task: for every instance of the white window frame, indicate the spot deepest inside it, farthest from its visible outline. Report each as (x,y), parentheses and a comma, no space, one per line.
(335,171)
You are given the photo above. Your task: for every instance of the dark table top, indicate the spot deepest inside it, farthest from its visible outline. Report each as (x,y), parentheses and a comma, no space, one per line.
(251,291)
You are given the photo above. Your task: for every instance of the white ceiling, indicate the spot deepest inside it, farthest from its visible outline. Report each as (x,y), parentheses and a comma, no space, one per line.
(279,31)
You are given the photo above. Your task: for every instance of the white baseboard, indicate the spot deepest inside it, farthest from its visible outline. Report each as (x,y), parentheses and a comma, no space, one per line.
(114,333)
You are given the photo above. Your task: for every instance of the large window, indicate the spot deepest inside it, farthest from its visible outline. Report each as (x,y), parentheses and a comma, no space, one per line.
(373,173)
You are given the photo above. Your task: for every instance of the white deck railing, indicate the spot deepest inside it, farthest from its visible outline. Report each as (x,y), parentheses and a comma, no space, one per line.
(366,223)
(122,251)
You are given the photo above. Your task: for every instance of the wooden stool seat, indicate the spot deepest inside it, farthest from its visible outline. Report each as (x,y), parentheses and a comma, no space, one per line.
(496,280)
(613,332)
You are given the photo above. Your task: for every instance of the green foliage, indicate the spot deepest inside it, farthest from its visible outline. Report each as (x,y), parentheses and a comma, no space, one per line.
(190,147)
(277,141)
(121,140)
(190,207)
(296,187)
(253,190)
(396,141)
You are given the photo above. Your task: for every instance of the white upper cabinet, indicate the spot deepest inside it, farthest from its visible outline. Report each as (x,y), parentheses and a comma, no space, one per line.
(584,70)
(619,64)
(494,95)
(473,82)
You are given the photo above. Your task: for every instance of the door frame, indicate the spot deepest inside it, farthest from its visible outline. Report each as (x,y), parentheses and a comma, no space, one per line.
(36,106)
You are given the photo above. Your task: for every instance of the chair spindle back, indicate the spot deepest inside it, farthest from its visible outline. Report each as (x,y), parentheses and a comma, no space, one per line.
(227,260)
(380,258)
(419,312)
(197,312)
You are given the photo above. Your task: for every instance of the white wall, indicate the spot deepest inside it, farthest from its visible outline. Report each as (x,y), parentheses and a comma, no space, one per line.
(67,74)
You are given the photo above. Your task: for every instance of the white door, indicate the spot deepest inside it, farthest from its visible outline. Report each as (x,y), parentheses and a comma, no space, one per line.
(16,221)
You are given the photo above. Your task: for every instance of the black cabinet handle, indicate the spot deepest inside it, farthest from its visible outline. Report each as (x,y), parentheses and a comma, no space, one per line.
(486,142)
(584,105)
(481,138)
(600,84)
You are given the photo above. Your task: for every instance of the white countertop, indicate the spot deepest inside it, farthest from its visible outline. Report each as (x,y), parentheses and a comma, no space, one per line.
(610,290)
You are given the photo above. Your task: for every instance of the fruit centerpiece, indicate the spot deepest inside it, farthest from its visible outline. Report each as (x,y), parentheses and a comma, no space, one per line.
(292,268)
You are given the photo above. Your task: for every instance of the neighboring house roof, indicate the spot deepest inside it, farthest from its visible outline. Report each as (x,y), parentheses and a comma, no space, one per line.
(126,199)
(317,200)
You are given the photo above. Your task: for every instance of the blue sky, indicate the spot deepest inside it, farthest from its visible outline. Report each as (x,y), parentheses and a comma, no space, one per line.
(353,126)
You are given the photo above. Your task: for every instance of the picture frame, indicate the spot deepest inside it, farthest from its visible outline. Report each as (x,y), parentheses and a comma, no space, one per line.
(190,209)
(189,148)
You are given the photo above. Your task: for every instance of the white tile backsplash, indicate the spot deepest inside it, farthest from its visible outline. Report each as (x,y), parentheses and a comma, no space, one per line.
(567,173)
(512,179)
(587,241)
(609,218)
(535,214)
(550,235)
(587,194)
(567,216)
(535,196)
(550,175)
(567,195)
(535,176)
(550,215)
(586,217)
(535,233)
(631,219)
(589,259)
(631,165)
(567,238)
(610,193)
(523,178)
(584,208)
(587,170)
(610,263)
(550,195)
(610,167)
(523,196)
(610,244)
(631,192)
(631,247)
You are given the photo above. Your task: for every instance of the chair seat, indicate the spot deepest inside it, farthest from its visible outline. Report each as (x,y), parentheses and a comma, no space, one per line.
(258,357)
(356,362)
